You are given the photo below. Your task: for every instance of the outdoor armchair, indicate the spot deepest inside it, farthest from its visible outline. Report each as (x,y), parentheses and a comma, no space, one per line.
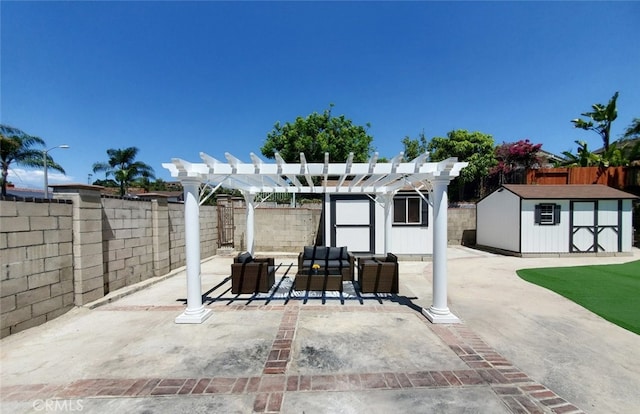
(378,274)
(252,274)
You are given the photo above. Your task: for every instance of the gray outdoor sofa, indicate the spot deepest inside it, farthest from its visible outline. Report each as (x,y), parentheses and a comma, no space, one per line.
(332,258)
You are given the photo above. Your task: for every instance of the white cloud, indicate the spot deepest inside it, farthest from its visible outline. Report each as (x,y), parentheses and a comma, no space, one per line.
(35,178)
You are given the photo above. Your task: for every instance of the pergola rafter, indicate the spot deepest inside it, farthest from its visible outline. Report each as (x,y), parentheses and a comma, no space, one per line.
(380,180)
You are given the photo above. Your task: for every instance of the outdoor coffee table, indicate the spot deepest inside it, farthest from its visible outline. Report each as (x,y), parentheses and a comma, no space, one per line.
(323,280)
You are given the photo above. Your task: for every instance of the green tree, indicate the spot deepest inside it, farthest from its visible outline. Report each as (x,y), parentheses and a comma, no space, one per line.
(600,120)
(317,134)
(413,148)
(475,148)
(16,147)
(159,185)
(123,167)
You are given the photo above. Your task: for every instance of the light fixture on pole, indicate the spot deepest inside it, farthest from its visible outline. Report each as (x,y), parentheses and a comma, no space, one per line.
(45,159)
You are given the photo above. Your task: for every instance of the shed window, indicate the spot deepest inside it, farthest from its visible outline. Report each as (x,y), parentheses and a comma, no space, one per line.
(409,210)
(547,214)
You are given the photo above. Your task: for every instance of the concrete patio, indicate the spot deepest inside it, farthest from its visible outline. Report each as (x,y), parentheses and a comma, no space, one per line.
(519,349)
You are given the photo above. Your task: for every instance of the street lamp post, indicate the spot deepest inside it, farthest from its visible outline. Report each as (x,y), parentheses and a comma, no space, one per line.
(44,159)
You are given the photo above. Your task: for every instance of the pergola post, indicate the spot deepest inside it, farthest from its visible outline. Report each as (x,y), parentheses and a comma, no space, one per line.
(388,221)
(439,312)
(251,207)
(195,312)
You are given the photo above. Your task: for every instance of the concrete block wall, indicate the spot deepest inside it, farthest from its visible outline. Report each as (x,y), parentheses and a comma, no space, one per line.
(127,242)
(208,230)
(278,229)
(36,263)
(177,254)
(81,246)
(461,227)
(208,233)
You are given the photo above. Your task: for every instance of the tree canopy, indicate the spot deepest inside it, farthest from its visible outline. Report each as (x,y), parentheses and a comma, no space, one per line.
(475,148)
(413,148)
(317,134)
(16,147)
(124,168)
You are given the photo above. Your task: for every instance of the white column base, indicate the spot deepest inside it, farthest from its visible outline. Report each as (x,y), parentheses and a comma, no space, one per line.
(194,317)
(440,316)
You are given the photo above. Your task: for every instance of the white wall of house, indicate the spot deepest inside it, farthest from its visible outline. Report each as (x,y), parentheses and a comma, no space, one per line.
(498,221)
(405,240)
(413,240)
(536,238)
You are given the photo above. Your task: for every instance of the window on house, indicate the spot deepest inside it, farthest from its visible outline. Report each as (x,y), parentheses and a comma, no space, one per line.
(547,214)
(409,210)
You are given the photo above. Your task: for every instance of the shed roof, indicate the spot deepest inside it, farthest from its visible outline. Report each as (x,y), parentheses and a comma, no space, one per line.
(567,191)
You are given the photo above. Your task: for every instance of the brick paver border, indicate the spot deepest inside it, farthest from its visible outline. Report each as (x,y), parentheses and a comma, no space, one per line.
(518,392)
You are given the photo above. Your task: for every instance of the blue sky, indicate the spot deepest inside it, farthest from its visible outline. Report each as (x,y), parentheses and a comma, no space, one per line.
(177,78)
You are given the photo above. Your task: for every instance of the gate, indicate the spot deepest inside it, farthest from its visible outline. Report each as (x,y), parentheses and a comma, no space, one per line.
(225,226)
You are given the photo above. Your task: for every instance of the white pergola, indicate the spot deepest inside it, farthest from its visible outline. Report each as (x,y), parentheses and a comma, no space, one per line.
(380,181)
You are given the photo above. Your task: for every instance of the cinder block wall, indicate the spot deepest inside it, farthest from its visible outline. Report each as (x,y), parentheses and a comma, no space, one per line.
(80,246)
(462,224)
(281,229)
(36,263)
(208,230)
(177,254)
(127,242)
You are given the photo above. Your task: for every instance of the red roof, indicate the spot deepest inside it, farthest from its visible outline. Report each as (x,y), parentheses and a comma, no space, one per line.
(568,191)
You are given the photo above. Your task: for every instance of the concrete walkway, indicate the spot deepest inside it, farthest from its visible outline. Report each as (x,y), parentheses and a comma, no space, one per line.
(519,349)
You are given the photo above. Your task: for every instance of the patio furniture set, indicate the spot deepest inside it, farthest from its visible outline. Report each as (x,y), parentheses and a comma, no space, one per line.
(319,268)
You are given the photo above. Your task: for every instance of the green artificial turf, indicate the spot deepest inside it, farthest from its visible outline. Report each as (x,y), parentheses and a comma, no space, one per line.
(611,291)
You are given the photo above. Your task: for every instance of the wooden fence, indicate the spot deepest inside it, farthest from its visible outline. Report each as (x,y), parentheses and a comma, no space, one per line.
(617,177)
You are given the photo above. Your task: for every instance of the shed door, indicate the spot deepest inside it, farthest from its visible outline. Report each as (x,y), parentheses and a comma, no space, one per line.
(583,227)
(595,226)
(352,223)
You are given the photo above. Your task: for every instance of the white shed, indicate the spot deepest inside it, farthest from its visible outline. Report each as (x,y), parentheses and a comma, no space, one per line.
(358,221)
(541,219)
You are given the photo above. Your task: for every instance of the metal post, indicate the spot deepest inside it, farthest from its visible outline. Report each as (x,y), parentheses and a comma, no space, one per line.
(45,162)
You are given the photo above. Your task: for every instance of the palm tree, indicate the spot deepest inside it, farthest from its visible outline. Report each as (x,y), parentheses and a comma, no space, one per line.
(633,131)
(603,116)
(585,158)
(15,146)
(123,167)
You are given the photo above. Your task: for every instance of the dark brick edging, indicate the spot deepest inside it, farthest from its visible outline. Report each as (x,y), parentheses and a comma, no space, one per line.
(518,392)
